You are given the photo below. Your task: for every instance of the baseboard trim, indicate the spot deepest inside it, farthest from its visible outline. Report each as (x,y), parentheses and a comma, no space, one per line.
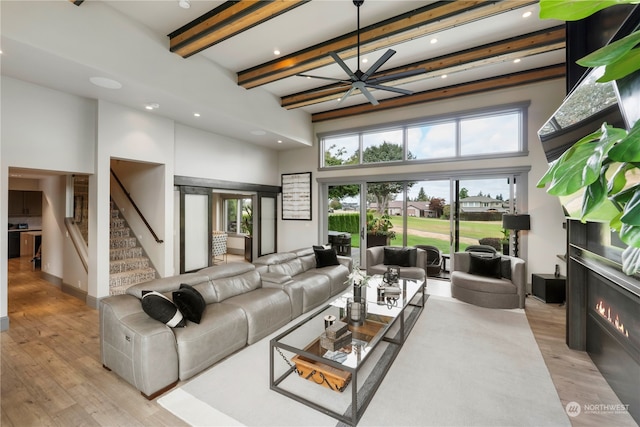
(92,301)
(74,291)
(54,280)
(4,323)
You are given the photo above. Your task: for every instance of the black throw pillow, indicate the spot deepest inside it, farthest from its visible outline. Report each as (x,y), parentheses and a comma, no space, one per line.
(484,266)
(190,302)
(161,308)
(506,268)
(325,257)
(397,256)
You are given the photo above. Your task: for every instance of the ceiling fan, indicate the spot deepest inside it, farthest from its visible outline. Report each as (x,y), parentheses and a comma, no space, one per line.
(361,80)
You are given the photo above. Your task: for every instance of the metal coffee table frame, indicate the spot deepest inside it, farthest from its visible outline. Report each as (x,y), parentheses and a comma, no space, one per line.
(412,296)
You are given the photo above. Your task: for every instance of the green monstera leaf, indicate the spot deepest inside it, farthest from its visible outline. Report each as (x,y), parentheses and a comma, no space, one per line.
(580,166)
(575,10)
(631,260)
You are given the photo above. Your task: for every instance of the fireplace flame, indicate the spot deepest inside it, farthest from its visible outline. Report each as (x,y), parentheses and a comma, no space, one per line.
(605,312)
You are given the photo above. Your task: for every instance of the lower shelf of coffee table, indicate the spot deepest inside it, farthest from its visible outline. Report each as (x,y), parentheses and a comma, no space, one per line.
(328,376)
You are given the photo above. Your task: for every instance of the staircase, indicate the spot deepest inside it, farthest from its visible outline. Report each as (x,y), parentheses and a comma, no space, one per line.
(128,265)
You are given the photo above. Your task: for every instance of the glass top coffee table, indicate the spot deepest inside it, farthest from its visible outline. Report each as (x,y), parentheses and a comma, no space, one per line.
(338,377)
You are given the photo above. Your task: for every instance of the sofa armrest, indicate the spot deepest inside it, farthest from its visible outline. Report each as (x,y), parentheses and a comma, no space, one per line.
(519,278)
(346,261)
(375,256)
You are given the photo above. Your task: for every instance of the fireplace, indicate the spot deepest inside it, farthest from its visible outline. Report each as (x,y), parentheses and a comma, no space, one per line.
(603,309)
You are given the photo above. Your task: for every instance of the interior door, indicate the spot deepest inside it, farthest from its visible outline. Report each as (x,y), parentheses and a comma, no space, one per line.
(195,229)
(267,223)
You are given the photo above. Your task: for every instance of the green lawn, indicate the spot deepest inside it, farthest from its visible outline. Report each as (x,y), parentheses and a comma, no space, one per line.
(474,230)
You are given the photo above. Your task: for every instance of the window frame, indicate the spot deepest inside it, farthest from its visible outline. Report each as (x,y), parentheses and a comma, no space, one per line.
(457,118)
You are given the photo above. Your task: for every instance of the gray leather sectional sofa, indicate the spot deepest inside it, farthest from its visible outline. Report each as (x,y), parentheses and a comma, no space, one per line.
(245,303)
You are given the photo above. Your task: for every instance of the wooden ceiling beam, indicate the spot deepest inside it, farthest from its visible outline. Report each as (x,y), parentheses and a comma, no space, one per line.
(420,22)
(506,50)
(485,85)
(227,20)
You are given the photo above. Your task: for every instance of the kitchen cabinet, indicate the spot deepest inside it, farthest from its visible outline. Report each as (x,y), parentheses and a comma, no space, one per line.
(25,203)
(14,244)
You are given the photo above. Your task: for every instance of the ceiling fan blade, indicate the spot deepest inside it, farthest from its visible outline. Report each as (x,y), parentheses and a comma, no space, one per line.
(370,97)
(384,58)
(325,78)
(391,89)
(346,95)
(341,63)
(397,76)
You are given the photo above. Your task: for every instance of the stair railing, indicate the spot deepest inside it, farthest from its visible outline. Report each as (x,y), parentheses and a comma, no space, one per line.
(155,236)
(78,242)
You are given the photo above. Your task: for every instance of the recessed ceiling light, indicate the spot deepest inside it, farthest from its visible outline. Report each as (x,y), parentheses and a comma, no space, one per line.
(515,61)
(105,82)
(196,114)
(444,76)
(365,60)
(258,132)
(185,4)
(433,41)
(152,106)
(276,52)
(526,14)
(279,141)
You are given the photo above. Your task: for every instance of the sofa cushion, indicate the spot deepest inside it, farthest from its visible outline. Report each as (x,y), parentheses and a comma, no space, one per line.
(190,302)
(505,263)
(275,258)
(325,257)
(161,308)
(221,332)
(403,257)
(228,287)
(474,282)
(167,284)
(291,268)
(483,266)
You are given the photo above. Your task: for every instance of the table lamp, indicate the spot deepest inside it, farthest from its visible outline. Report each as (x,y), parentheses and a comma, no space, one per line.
(516,223)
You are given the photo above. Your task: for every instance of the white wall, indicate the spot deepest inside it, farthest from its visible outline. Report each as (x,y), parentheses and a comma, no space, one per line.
(207,155)
(546,238)
(138,136)
(42,129)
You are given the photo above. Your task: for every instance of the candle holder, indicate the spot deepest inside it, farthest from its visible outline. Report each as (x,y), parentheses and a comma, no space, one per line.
(356,311)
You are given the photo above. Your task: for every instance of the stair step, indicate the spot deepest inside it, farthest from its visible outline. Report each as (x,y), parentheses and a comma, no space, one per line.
(117,223)
(115,213)
(119,232)
(121,281)
(123,242)
(130,264)
(125,253)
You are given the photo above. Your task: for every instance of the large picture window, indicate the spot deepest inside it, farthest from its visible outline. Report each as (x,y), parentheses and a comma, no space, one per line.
(464,136)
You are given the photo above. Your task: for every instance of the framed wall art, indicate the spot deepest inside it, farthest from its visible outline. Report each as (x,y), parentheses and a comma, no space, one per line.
(296,196)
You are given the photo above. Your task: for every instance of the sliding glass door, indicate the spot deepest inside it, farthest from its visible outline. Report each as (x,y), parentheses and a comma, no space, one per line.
(345,228)
(449,213)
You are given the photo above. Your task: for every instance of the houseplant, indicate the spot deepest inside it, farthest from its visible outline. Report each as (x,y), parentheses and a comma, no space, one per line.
(605,164)
(246,224)
(379,231)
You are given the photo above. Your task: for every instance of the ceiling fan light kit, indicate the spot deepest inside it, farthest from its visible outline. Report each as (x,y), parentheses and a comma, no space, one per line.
(361,80)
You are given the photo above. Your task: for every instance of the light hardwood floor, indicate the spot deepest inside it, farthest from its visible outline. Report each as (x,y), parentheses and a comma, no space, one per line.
(51,372)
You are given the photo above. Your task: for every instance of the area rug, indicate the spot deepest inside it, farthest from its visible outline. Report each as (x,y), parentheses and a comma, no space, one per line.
(461,365)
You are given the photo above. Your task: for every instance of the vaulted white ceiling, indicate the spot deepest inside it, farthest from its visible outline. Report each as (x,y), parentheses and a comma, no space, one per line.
(60,45)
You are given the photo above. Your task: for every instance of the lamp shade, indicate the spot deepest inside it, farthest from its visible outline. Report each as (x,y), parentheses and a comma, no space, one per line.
(516,222)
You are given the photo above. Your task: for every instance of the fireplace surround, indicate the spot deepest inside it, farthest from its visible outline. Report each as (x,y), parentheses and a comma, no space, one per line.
(603,308)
